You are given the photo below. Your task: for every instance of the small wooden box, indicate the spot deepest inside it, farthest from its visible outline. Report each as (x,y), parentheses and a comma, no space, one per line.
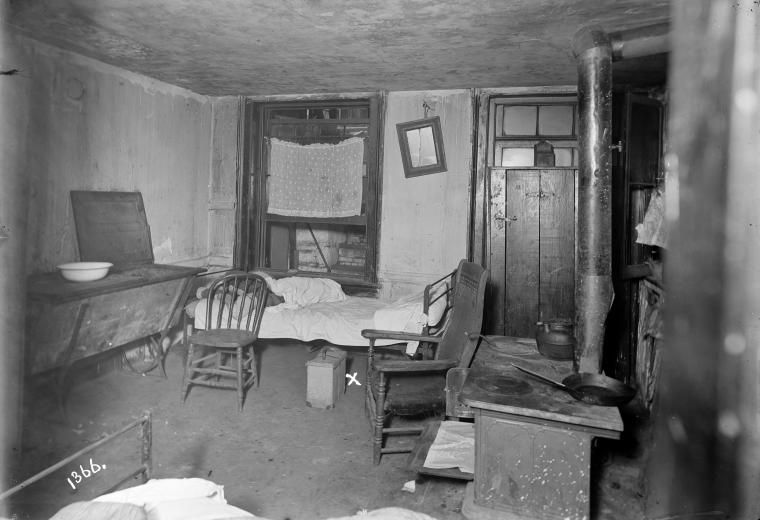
(325,378)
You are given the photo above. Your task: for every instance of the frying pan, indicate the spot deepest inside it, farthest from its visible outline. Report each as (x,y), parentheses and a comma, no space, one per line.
(590,388)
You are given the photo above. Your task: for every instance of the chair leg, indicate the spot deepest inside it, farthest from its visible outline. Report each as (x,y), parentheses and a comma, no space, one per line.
(239,376)
(253,367)
(379,419)
(188,374)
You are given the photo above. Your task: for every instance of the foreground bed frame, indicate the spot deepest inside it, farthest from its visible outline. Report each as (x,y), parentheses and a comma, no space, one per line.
(146,461)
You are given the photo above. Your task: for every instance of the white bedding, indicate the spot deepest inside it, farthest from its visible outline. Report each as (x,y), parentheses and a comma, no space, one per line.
(339,323)
(313,310)
(188,499)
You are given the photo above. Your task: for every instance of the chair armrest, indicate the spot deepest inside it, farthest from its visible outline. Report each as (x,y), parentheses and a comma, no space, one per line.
(403,336)
(399,365)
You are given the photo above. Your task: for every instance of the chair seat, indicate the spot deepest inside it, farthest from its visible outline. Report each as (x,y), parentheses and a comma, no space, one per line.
(414,394)
(223,338)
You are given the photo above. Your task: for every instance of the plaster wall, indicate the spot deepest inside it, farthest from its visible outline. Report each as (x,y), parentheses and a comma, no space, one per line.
(91,126)
(424,222)
(14,120)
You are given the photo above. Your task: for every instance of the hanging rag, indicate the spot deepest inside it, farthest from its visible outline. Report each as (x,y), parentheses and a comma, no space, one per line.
(653,230)
(316,180)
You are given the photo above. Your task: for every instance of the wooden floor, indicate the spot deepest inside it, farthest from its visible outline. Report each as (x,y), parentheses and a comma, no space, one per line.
(278,458)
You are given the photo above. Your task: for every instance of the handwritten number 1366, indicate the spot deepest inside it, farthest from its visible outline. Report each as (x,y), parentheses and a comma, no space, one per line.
(85,473)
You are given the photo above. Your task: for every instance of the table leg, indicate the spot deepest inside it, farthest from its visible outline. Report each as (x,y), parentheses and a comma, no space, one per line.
(156,346)
(67,361)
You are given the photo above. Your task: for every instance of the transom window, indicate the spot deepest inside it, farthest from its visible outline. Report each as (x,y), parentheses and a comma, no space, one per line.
(534,131)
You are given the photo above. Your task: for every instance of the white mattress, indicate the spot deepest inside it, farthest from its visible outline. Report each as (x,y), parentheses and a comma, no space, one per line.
(340,323)
(317,309)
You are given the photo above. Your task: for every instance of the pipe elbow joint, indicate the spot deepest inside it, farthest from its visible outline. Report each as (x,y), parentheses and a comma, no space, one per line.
(590,37)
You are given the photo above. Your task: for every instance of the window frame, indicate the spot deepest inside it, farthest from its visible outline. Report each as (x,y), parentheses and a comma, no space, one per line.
(497,141)
(252,250)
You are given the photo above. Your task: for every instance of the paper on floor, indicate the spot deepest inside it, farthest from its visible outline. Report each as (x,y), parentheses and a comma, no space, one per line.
(454,447)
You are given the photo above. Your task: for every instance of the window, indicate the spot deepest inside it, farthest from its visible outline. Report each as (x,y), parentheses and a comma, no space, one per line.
(521,126)
(340,247)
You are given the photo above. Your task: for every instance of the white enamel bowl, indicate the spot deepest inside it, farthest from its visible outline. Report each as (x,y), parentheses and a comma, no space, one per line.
(85,271)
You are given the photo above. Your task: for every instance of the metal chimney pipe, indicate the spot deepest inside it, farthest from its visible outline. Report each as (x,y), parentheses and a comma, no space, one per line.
(642,41)
(593,287)
(595,50)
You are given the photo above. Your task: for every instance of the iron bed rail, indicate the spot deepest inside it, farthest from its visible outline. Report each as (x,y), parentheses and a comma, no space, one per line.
(145,468)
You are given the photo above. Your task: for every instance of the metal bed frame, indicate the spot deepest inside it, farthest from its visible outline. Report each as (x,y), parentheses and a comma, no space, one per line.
(146,462)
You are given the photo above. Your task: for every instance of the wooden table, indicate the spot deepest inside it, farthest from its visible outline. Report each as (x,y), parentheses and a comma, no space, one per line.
(67,321)
(532,441)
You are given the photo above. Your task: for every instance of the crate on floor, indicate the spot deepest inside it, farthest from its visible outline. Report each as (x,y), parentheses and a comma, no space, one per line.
(325,378)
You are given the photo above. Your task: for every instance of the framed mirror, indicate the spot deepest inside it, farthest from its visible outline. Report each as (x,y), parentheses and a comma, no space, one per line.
(421,143)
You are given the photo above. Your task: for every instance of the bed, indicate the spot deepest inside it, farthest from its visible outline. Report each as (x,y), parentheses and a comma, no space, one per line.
(169,498)
(309,309)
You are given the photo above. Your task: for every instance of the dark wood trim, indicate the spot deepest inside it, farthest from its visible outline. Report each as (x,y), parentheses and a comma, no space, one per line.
(376,106)
(358,220)
(241,162)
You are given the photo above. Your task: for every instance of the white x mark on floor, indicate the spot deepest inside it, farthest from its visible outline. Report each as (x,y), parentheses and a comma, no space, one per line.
(352,379)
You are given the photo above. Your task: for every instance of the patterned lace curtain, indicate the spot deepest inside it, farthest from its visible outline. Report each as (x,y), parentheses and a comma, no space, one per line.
(316,180)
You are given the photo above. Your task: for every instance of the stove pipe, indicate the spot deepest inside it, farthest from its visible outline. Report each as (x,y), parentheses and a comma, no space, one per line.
(595,50)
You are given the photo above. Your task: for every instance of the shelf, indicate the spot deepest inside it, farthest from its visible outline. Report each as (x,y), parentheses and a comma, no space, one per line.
(358,220)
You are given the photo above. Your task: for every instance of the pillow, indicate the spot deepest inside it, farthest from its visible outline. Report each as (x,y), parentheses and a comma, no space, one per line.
(166,489)
(195,508)
(271,282)
(387,513)
(302,290)
(100,511)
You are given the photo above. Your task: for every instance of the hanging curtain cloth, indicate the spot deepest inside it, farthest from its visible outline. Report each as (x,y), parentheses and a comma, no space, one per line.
(653,230)
(316,180)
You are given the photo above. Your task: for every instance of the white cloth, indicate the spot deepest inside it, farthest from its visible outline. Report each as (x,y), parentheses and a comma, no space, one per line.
(339,323)
(454,447)
(316,180)
(405,314)
(653,230)
(179,499)
(162,490)
(298,291)
(317,308)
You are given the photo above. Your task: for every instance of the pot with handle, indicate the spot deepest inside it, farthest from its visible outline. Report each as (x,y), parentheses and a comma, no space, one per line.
(589,388)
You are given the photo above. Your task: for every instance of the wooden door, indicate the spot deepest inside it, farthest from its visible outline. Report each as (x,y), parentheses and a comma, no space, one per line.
(532,247)
(637,127)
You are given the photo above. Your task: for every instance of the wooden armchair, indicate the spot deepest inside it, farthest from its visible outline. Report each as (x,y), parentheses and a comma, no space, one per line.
(414,387)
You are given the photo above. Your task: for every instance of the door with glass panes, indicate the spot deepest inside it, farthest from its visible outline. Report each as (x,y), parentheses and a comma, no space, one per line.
(532,165)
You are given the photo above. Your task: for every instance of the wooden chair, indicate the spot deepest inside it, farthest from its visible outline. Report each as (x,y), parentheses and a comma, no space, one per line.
(225,348)
(414,387)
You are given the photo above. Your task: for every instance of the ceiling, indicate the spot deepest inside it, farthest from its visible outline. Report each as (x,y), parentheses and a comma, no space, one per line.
(261,47)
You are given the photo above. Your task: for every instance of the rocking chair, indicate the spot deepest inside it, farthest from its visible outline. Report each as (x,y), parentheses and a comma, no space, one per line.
(413,387)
